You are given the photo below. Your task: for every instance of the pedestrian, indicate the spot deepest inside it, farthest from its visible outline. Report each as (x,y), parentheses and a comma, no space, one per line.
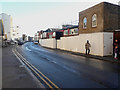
(116,52)
(114,46)
(87,47)
(115,43)
(119,49)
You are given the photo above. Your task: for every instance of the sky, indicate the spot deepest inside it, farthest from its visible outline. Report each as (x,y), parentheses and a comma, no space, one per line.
(35,15)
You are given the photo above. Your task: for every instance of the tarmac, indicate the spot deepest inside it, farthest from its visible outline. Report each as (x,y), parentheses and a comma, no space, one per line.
(15,75)
(105,58)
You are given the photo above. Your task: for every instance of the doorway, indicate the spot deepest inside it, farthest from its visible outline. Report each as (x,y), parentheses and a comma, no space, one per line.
(116,36)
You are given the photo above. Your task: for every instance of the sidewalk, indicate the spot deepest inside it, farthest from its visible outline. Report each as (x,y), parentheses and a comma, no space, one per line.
(14,74)
(105,58)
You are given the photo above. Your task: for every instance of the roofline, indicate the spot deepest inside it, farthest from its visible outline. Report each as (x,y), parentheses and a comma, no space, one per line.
(97,5)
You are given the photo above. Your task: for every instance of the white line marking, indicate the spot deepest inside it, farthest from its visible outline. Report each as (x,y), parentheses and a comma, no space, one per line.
(28,49)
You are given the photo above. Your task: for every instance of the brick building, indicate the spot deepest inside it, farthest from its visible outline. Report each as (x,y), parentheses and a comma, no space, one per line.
(105,15)
(103,22)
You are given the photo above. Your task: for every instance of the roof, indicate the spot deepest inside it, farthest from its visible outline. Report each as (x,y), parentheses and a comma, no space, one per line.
(97,5)
(71,27)
(52,30)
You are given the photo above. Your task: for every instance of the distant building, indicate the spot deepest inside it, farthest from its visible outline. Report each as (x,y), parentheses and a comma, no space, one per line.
(1,32)
(67,26)
(36,37)
(24,37)
(30,39)
(1,28)
(70,30)
(48,33)
(7,24)
(52,32)
(15,33)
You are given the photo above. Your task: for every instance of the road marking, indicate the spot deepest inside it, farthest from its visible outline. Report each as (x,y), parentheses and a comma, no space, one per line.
(33,70)
(39,75)
(17,57)
(33,67)
(28,49)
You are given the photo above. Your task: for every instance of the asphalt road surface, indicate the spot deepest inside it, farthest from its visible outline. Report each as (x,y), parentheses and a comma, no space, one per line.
(71,71)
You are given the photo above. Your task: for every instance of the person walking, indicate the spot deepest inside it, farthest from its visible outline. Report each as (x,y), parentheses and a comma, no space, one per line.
(87,47)
(119,49)
(115,43)
(116,49)
(116,52)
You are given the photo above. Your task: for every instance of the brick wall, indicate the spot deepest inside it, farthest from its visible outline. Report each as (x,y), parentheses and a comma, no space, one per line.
(108,18)
(98,10)
(111,17)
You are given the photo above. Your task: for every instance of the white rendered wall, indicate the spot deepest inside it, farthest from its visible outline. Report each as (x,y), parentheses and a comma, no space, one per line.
(51,43)
(77,43)
(108,43)
(101,43)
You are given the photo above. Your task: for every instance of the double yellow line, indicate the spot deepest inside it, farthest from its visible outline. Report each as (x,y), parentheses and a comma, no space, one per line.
(45,79)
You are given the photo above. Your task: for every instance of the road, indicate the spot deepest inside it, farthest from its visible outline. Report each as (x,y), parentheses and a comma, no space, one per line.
(71,71)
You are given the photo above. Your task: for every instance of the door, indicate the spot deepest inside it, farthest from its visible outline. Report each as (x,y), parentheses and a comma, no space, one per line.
(116,35)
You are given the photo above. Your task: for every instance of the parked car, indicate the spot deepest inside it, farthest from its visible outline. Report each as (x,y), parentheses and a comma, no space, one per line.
(12,43)
(35,42)
(20,42)
(16,42)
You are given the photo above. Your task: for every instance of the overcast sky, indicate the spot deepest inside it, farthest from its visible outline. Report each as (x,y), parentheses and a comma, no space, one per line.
(36,15)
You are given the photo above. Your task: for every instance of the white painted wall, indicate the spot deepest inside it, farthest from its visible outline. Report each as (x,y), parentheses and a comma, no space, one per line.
(77,43)
(108,43)
(51,43)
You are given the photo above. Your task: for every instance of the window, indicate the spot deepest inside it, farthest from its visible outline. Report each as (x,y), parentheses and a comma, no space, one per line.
(73,31)
(76,30)
(94,20)
(65,32)
(85,23)
(50,36)
(54,34)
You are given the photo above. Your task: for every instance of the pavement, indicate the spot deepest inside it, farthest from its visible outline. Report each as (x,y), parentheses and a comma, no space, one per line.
(105,58)
(14,74)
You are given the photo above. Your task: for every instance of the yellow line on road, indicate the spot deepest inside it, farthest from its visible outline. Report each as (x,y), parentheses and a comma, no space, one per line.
(39,75)
(34,71)
(38,71)
(46,78)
